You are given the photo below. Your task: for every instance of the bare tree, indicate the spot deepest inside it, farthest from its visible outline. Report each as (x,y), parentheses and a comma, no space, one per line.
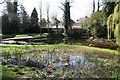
(98,5)
(56,22)
(40,7)
(48,11)
(1,2)
(93,6)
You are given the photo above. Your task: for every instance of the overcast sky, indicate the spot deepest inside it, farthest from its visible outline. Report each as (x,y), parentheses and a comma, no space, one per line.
(79,8)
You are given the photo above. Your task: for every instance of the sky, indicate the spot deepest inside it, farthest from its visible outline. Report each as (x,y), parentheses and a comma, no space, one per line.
(79,8)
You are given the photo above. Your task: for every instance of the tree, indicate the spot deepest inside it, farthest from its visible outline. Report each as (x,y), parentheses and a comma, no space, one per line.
(40,17)
(56,22)
(66,16)
(110,27)
(98,5)
(113,23)
(24,18)
(12,8)
(95,25)
(9,18)
(0,24)
(48,11)
(93,6)
(34,21)
(5,24)
(1,2)
(108,8)
(43,23)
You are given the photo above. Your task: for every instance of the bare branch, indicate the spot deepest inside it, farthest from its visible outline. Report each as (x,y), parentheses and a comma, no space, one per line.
(40,6)
(61,8)
(1,2)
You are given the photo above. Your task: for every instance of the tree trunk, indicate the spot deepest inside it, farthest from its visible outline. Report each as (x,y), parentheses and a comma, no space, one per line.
(93,6)
(98,5)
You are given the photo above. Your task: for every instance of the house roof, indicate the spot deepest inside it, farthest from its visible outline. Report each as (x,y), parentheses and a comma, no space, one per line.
(59,26)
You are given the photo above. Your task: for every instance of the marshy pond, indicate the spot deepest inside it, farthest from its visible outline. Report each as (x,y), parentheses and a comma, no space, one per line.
(100,43)
(65,62)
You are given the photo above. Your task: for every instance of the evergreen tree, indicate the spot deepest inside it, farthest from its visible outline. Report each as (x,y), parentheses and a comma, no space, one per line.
(23,15)
(66,15)
(13,16)
(34,22)
(5,24)
(108,8)
(24,18)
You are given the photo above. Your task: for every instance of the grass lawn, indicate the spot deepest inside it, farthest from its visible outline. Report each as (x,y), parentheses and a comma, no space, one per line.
(66,48)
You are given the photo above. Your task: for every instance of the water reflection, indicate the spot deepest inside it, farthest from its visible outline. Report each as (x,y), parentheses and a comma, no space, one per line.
(75,64)
(67,61)
(59,60)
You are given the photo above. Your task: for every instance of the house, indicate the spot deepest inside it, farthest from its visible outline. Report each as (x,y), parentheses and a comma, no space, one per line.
(75,25)
(79,22)
(59,26)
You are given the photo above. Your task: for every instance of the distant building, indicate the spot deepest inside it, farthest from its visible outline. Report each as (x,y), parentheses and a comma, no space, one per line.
(79,23)
(59,26)
(75,25)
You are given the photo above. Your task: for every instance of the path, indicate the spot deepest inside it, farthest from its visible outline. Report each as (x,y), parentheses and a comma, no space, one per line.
(16,38)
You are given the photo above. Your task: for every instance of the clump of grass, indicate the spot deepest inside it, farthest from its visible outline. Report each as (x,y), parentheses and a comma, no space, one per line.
(6,73)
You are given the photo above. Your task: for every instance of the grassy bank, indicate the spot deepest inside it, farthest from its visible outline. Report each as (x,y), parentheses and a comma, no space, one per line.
(64,48)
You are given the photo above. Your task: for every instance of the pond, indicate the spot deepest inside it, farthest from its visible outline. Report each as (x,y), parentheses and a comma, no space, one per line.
(61,64)
(46,41)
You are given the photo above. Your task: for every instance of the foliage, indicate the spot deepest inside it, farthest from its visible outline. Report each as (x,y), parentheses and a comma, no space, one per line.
(110,27)
(24,18)
(43,23)
(5,24)
(12,9)
(108,8)
(66,16)
(10,23)
(113,23)
(7,74)
(34,22)
(56,22)
(12,71)
(95,24)
(117,33)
